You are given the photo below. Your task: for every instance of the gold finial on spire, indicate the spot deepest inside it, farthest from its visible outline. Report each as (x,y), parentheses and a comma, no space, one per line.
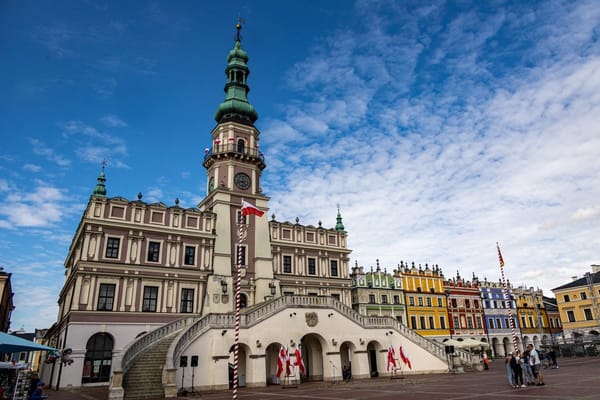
(238,26)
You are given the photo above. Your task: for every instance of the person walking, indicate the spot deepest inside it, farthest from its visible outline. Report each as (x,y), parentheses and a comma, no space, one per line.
(552,354)
(536,362)
(486,361)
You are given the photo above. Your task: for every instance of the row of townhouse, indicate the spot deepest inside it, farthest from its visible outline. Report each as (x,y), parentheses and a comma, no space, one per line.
(443,309)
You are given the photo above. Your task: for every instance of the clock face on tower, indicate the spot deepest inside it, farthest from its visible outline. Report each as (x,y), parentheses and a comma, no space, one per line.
(242,181)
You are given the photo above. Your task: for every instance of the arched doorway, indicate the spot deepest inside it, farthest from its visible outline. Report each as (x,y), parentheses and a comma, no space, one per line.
(507,345)
(497,347)
(346,359)
(242,351)
(372,349)
(312,354)
(271,356)
(98,358)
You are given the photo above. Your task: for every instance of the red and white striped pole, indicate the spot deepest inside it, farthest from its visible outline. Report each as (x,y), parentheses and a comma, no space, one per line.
(238,285)
(507,301)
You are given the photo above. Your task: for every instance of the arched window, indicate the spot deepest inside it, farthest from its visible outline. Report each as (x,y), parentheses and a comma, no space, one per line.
(240,145)
(98,358)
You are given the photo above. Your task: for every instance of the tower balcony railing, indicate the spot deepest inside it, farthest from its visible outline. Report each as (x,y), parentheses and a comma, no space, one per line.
(233,149)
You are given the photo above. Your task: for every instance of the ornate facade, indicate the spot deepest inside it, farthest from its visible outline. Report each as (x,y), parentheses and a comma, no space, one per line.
(579,306)
(139,277)
(425,300)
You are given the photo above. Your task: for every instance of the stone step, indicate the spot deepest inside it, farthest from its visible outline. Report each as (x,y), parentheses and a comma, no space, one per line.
(143,380)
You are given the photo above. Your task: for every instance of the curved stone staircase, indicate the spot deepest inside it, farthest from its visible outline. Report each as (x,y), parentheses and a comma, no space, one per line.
(146,369)
(144,378)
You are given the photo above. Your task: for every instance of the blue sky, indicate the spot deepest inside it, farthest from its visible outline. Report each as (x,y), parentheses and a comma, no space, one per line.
(439,128)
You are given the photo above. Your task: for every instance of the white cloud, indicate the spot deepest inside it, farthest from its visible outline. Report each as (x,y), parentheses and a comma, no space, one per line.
(41,149)
(32,167)
(112,121)
(95,146)
(486,152)
(43,206)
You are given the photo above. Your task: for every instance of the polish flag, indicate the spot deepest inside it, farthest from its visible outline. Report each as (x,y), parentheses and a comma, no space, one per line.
(299,361)
(248,209)
(405,358)
(283,361)
(391,358)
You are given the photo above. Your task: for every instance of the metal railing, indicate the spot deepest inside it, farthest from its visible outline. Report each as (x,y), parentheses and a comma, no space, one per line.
(233,148)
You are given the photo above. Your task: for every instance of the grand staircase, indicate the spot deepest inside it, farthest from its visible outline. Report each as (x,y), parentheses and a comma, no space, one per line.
(144,378)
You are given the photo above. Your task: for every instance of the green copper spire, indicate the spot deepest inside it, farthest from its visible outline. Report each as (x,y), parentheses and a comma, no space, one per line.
(236,105)
(100,189)
(339,226)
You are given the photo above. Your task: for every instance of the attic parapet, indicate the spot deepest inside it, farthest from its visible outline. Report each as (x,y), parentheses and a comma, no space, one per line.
(155,215)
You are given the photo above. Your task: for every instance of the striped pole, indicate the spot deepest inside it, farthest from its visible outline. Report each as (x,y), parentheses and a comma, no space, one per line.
(238,285)
(507,301)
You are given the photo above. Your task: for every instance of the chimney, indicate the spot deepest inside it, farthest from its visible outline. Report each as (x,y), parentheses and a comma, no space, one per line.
(574,278)
(595,268)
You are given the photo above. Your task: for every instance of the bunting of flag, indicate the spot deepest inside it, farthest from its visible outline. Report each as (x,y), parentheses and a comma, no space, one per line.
(299,361)
(249,209)
(391,358)
(283,361)
(404,358)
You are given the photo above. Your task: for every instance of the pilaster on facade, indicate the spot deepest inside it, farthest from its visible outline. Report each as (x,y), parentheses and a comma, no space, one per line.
(465,308)
(310,260)
(425,299)
(532,314)
(579,306)
(378,293)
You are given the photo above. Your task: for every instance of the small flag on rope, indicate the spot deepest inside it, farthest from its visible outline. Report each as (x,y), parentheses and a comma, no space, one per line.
(299,361)
(391,358)
(248,209)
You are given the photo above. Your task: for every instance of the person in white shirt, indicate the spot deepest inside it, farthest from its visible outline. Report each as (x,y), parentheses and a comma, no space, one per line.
(536,362)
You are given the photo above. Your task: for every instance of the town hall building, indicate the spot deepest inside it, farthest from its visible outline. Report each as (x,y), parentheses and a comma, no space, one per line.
(149,296)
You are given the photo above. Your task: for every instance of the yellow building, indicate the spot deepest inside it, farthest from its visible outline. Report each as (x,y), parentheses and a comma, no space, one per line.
(425,299)
(533,320)
(578,306)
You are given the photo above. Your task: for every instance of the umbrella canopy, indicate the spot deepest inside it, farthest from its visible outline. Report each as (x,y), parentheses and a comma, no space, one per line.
(14,344)
(472,344)
(452,342)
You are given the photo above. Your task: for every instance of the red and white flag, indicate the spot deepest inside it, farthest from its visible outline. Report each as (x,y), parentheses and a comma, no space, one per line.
(248,209)
(391,358)
(299,361)
(404,357)
(283,361)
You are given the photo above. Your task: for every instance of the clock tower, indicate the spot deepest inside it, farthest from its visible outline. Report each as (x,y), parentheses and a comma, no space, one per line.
(234,166)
